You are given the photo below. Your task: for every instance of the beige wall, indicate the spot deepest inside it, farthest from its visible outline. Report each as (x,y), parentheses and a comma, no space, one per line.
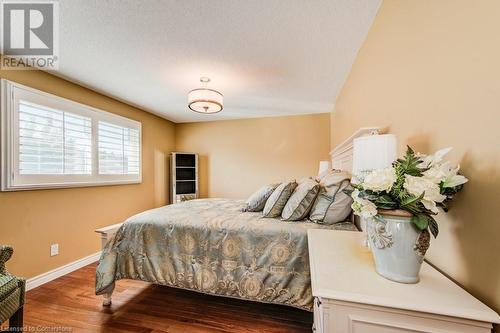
(429,71)
(32,220)
(239,156)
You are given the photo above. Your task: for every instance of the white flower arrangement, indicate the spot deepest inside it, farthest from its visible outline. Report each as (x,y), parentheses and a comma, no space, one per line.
(417,183)
(380,180)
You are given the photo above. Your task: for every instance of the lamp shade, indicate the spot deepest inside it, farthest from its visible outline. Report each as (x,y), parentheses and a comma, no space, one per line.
(373,152)
(324,166)
(204,100)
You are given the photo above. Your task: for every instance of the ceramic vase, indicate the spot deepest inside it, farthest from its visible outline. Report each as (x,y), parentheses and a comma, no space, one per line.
(397,245)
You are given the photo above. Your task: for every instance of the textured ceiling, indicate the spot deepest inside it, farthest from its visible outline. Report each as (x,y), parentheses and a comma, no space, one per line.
(268,57)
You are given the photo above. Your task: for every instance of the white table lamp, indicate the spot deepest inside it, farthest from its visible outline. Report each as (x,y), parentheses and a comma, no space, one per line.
(373,152)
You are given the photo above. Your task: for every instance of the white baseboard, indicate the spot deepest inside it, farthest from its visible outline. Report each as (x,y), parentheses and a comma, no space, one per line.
(60,271)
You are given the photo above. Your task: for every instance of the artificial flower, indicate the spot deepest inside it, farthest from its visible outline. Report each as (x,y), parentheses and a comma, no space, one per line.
(445,174)
(362,207)
(418,185)
(438,172)
(430,160)
(453,179)
(380,180)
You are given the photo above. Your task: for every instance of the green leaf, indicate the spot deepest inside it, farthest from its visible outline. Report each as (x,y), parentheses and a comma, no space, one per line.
(420,221)
(368,195)
(411,203)
(385,202)
(433,226)
(409,164)
(411,200)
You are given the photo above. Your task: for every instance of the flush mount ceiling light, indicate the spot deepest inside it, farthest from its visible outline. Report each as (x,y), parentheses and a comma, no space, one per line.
(204,100)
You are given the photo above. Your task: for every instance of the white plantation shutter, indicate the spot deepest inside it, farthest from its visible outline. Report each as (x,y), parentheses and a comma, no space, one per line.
(41,140)
(48,142)
(132,150)
(77,144)
(53,141)
(118,149)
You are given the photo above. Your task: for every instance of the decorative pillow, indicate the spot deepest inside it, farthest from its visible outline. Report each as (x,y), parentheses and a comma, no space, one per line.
(301,201)
(277,201)
(328,173)
(334,177)
(322,175)
(257,201)
(332,205)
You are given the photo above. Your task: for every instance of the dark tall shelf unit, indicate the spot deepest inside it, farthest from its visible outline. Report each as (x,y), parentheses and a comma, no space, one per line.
(183,176)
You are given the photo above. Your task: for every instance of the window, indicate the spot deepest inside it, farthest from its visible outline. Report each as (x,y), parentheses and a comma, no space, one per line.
(118,149)
(48,142)
(53,142)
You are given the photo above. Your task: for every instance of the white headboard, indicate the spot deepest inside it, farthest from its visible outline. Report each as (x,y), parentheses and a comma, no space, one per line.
(341,155)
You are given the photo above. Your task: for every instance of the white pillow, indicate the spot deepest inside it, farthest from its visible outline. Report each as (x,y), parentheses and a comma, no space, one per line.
(332,205)
(257,200)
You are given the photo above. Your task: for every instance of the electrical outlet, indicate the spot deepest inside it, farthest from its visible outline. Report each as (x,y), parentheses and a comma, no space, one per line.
(54,250)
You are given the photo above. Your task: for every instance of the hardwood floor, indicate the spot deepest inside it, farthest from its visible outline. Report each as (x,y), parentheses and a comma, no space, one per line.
(69,304)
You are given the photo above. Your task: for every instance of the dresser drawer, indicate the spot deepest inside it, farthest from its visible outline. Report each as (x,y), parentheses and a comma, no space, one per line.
(346,317)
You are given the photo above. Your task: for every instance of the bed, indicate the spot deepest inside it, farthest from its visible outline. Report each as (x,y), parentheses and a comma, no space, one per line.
(212,246)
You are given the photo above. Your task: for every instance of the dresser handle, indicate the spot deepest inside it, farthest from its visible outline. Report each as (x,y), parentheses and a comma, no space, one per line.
(318,301)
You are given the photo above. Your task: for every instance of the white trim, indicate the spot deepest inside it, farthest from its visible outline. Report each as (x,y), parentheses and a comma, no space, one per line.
(61,271)
(11,180)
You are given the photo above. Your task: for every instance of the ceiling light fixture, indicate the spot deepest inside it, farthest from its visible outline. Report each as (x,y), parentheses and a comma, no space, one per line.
(204,100)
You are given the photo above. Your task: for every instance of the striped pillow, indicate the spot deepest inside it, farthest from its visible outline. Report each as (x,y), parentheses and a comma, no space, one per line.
(257,201)
(277,201)
(299,205)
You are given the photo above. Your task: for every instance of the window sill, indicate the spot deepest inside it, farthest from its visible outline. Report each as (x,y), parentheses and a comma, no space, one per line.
(54,186)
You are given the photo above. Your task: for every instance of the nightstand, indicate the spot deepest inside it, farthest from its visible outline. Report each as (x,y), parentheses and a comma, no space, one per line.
(349,296)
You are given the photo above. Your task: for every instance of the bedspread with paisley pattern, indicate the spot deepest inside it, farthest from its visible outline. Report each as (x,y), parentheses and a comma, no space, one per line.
(211,246)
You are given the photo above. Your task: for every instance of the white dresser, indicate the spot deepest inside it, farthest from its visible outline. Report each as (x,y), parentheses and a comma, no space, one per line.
(350,297)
